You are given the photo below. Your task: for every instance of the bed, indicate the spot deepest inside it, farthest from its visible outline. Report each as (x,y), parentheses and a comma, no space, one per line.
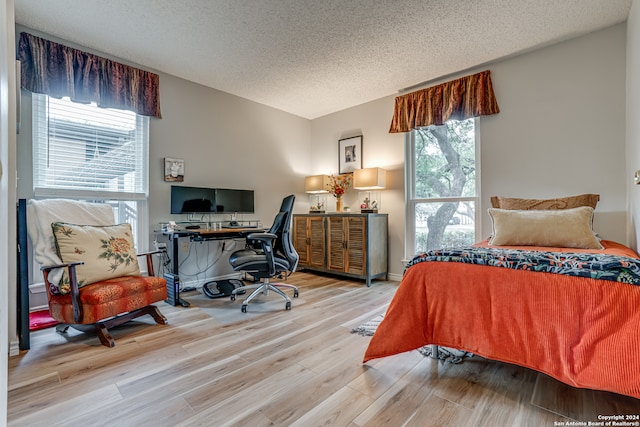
(571,313)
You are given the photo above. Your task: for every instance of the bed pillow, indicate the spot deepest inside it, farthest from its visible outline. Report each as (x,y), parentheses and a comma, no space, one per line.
(512,203)
(565,228)
(107,252)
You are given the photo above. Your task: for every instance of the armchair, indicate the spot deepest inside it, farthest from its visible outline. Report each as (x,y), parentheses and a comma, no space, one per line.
(268,255)
(91,272)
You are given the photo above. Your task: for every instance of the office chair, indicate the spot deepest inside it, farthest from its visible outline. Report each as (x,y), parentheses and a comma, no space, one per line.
(268,255)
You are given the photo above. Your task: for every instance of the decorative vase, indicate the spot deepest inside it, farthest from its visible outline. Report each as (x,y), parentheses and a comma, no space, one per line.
(339,204)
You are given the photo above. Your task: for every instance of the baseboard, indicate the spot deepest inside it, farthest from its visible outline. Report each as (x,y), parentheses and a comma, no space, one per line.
(394,277)
(37,288)
(14,348)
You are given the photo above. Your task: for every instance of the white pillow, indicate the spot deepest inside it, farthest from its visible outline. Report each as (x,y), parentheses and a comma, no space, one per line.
(566,228)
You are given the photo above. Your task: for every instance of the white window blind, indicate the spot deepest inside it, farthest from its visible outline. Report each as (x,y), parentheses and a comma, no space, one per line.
(85,152)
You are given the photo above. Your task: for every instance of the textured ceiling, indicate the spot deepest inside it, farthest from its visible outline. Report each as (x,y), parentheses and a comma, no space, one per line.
(315,57)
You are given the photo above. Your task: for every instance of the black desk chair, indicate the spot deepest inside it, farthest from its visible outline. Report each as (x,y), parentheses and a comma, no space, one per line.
(268,255)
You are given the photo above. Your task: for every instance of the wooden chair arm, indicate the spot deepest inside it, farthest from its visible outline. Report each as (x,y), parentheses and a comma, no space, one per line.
(47,268)
(73,283)
(159,251)
(148,255)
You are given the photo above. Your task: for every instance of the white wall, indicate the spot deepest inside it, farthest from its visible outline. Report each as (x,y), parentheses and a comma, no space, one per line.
(633,124)
(226,142)
(561,131)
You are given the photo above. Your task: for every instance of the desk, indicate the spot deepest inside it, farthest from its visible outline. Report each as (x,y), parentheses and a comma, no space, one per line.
(197,235)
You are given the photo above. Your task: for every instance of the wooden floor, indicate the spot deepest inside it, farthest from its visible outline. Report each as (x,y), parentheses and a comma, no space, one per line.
(300,367)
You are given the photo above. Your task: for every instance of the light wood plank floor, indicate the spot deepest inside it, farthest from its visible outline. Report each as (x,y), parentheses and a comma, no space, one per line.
(300,367)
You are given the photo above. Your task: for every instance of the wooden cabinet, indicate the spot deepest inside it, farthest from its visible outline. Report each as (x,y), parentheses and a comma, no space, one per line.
(309,240)
(353,245)
(347,242)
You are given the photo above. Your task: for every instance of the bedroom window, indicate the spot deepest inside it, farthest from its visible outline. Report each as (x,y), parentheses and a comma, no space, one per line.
(94,154)
(442,186)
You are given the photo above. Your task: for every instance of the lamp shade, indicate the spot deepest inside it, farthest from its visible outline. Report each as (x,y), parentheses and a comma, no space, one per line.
(369,179)
(316,184)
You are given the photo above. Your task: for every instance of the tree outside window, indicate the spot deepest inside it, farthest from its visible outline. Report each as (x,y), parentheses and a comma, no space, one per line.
(443,184)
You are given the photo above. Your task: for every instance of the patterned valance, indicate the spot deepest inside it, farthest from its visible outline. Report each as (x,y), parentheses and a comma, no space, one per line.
(459,99)
(57,70)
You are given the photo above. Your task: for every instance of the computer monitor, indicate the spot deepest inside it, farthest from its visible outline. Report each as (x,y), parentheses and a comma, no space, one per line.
(234,201)
(190,200)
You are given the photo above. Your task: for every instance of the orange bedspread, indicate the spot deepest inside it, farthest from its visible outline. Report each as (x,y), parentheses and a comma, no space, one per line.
(583,332)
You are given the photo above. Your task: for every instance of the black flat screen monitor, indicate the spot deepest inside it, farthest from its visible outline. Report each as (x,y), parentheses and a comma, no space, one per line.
(234,201)
(187,200)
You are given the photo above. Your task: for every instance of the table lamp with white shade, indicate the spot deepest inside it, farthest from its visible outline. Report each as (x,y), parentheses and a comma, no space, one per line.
(370,179)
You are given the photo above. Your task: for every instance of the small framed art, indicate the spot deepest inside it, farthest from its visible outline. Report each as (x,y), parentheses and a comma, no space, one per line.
(173,169)
(350,154)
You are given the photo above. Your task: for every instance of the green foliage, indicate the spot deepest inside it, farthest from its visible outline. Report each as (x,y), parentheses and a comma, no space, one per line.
(440,152)
(451,239)
(445,167)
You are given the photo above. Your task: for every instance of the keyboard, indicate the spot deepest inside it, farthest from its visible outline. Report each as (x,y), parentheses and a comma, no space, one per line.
(238,226)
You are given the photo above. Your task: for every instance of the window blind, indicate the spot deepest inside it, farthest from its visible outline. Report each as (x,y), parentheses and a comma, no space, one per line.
(82,151)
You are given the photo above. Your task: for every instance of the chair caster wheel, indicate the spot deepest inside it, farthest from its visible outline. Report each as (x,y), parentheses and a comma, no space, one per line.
(244,308)
(295,294)
(233,297)
(288,305)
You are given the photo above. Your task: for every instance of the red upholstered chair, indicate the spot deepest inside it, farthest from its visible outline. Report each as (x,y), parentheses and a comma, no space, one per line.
(105,304)
(100,286)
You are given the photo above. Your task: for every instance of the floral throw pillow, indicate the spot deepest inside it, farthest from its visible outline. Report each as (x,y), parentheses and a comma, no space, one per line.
(107,252)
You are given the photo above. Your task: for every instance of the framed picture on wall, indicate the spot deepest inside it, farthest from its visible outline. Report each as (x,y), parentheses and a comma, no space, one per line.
(173,169)
(350,154)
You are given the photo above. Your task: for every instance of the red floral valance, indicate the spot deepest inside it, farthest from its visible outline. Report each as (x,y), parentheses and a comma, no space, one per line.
(459,99)
(58,70)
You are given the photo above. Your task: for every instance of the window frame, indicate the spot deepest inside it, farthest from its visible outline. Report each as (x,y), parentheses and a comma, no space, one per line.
(410,190)
(141,226)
